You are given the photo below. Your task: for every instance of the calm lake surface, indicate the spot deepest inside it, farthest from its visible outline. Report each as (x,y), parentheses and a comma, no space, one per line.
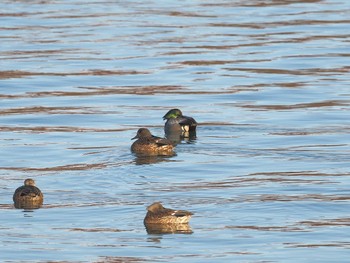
(268,176)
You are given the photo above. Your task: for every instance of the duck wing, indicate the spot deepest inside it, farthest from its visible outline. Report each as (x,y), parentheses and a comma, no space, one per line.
(30,191)
(181,213)
(187,121)
(161,141)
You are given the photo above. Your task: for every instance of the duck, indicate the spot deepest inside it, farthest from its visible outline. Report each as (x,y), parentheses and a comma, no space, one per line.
(178,123)
(158,214)
(149,144)
(28,196)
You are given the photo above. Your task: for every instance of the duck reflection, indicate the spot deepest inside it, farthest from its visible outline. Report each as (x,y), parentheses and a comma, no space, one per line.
(168,228)
(27,206)
(141,159)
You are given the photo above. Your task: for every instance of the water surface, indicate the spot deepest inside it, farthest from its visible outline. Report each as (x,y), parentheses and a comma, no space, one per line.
(267,176)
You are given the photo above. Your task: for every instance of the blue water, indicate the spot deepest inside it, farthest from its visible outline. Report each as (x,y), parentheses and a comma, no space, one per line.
(267,177)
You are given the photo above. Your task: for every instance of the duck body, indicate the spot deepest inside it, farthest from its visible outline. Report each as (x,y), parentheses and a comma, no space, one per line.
(28,196)
(178,123)
(157,214)
(149,144)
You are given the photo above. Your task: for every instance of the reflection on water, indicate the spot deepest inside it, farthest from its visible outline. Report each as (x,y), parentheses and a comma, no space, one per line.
(268,82)
(151,159)
(27,206)
(168,229)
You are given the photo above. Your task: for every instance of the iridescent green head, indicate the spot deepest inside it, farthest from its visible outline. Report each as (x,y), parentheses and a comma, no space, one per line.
(174,113)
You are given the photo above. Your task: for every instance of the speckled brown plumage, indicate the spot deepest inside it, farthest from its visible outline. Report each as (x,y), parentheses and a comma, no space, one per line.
(28,196)
(157,214)
(149,144)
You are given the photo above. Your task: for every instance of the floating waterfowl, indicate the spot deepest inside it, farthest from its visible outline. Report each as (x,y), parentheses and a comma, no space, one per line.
(28,196)
(157,214)
(149,144)
(176,122)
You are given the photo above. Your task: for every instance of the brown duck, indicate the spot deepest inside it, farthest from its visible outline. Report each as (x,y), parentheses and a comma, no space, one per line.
(28,196)
(149,144)
(157,214)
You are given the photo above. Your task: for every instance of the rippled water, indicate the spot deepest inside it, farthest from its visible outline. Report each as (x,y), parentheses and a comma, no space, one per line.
(268,83)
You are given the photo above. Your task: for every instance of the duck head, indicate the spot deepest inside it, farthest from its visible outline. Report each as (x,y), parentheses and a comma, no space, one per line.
(173,113)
